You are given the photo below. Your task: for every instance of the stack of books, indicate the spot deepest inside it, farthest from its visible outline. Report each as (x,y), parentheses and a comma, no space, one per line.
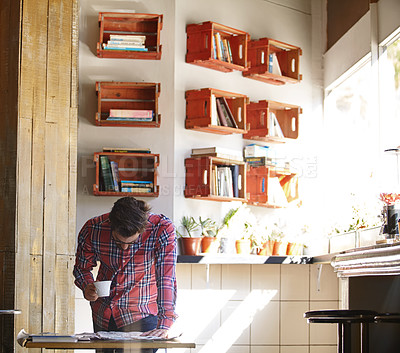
(125,42)
(141,115)
(137,186)
(220,152)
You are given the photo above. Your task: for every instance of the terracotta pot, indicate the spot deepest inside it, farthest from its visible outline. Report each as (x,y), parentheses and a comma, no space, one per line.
(243,246)
(294,249)
(209,245)
(191,246)
(267,248)
(280,248)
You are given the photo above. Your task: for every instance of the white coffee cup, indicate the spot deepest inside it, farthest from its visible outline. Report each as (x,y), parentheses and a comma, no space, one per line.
(103,288)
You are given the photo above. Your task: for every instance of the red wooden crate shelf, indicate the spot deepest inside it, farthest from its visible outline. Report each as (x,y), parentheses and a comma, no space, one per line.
(131,166)
(201,178)
(148,25)
(200,116)
(260,67)
(258,188)
(127,95)
(201,42)
(259,121)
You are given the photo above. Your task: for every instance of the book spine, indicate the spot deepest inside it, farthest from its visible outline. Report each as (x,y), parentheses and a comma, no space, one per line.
(130,113)
(136,189)
(270,62)
(221,114)
(115,174)
(106,174)
(129,119)
(125,48)
(229,112)
(130,37)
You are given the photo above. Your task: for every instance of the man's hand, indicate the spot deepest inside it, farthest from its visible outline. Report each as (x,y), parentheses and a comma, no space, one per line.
(158,332)
(90,292)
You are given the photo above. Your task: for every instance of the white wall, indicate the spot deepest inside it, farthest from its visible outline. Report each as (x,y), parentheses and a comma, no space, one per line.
(289,22)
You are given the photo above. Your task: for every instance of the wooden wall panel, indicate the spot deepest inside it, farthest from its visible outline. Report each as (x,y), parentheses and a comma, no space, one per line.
(46,172)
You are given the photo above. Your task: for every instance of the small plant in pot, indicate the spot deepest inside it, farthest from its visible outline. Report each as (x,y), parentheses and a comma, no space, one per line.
(209,243)
(190,243)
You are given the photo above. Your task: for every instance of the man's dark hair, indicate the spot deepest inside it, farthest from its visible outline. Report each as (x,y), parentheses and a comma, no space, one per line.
(129,216)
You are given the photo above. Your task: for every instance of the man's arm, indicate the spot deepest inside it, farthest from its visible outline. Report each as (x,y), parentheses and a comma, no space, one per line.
(165,265)
(85,260)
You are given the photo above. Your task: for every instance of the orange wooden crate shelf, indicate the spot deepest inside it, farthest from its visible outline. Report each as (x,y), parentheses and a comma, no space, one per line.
(131,166)
(201,43)
(258,118)
(257,186)
(127,95)
(199,114)
(288,56)
(148,25)
(201,178)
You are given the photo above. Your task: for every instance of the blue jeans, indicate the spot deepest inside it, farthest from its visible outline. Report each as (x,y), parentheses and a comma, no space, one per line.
(143,325)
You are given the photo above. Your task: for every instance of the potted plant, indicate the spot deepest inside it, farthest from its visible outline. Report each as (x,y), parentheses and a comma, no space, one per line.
(209,235)
(190,244)
(263,242)
(280,244)
(244,244)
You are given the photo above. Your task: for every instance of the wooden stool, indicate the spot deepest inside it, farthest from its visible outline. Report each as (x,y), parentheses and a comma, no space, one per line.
(344,319)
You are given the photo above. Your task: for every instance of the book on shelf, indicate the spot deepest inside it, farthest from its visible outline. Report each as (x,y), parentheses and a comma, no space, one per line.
(129,119)
(214,112)
(124,48)
(203,151)
(275,128)
(128,37)
(106,173)
(115,175)
(221,115)
(131,113)
(259,161)
(126,150)
(227,50)
(224,181)
(276,194)
(273,65)
(217,37)
(136,183)
(235,180)
(255,151)
(136,189)
(230,118)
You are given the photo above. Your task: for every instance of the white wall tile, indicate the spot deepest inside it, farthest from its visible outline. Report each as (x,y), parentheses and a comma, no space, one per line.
(293,325)
(294,349)
(184,276)
(266,278)
(236,317)
(199,275)
(295,282)
(264,329)
(323,349)
(237,279)
(264,349)
(324,283)
(323,333)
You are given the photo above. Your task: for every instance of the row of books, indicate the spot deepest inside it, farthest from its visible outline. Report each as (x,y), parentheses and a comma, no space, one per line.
(110,180)
(126,42)
(222,48)
(221,114)
(226,181)
(254,155)
(130,115)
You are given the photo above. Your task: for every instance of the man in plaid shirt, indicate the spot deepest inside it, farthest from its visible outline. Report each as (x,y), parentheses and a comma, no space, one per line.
(136,250)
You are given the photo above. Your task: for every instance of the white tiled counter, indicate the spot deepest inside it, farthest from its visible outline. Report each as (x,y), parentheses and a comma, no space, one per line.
(256,308)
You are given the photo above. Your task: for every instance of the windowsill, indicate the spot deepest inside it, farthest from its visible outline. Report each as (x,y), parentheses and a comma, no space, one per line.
(236,259)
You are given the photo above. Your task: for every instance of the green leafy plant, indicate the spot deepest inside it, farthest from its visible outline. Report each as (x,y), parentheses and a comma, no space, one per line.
(189,225)
(208,227)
